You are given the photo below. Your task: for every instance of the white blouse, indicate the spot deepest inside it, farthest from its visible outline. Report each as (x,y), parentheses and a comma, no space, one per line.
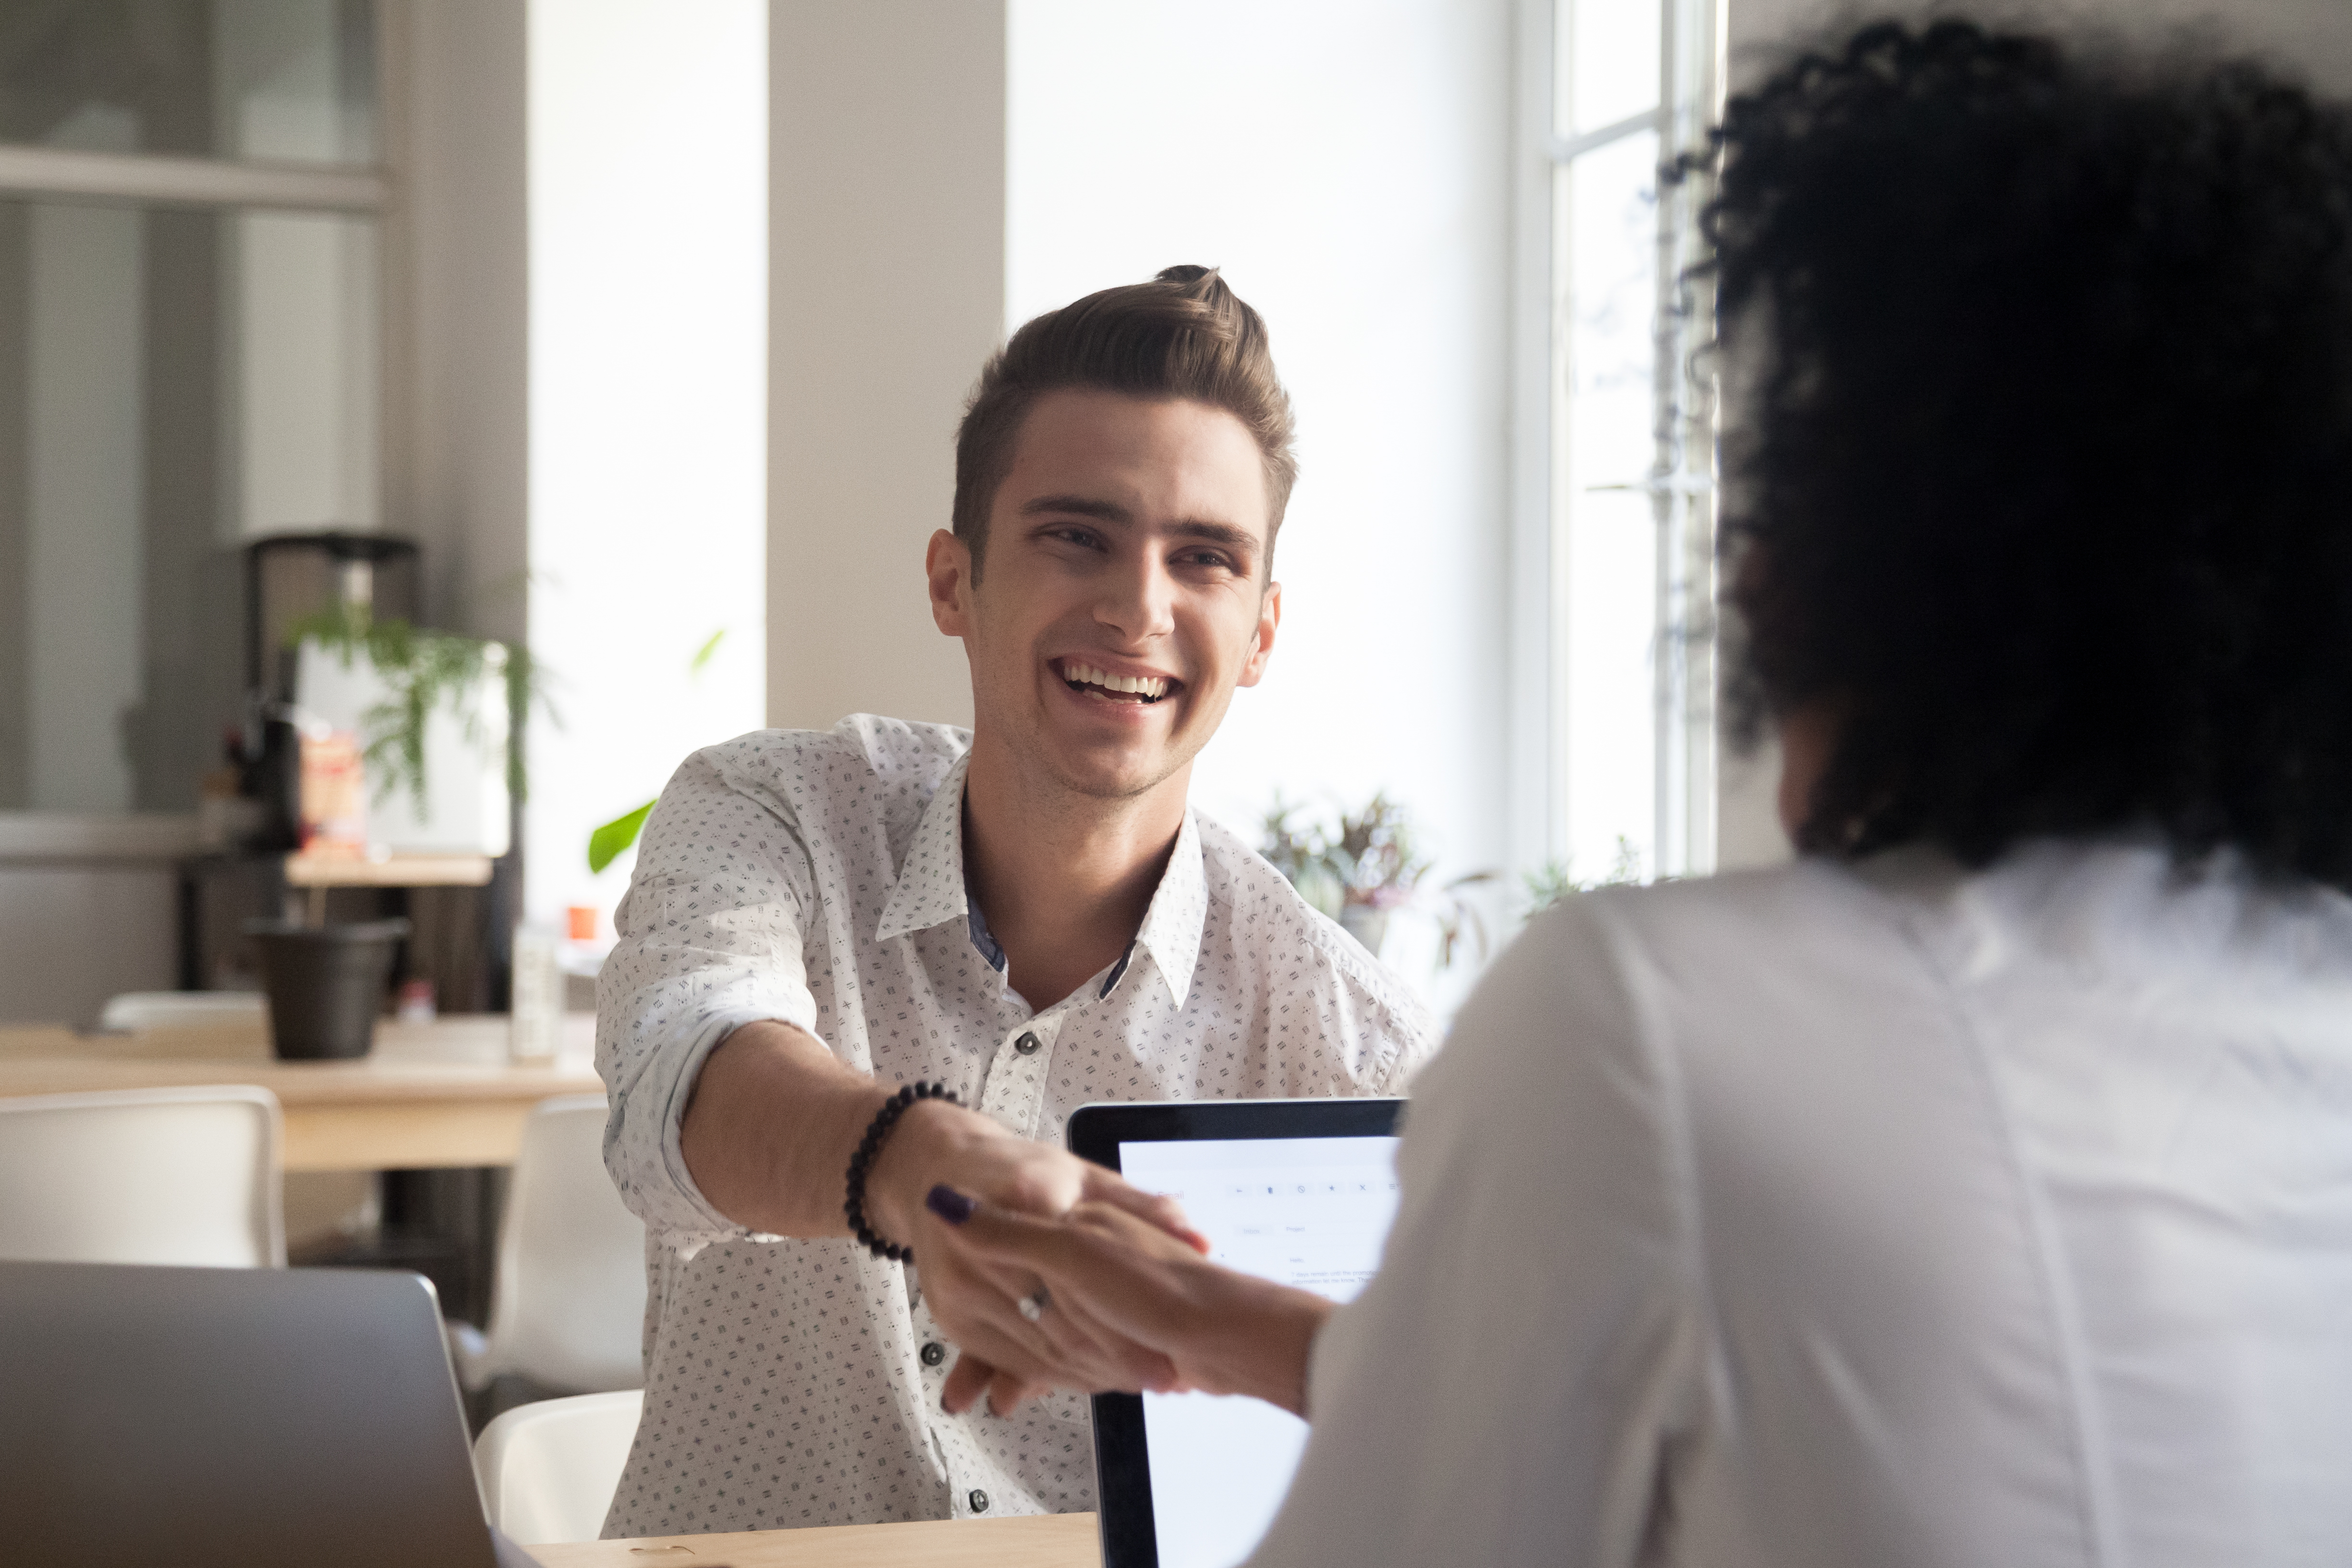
(1824,1217)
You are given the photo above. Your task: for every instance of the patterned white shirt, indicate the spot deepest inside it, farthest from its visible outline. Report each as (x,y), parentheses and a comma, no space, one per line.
(816,877)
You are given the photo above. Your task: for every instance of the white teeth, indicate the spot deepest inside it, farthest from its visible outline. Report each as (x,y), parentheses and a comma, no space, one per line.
(1153,686)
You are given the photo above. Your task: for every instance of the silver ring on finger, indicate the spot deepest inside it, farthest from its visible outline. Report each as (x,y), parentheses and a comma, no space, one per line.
(1032,1306)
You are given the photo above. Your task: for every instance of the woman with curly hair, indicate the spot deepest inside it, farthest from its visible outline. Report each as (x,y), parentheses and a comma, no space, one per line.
(1977,1189)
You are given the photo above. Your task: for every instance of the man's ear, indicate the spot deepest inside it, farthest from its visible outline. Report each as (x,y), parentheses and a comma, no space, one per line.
(1269,620)
(947,564)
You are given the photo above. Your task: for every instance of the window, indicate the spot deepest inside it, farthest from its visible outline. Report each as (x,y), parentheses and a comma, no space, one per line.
(189,359)
(1618,454)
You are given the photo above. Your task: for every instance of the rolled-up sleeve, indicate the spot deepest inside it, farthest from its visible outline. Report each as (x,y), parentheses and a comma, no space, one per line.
(710,940)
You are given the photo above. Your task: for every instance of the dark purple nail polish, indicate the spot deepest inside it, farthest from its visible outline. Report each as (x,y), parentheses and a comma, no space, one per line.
(949,1204)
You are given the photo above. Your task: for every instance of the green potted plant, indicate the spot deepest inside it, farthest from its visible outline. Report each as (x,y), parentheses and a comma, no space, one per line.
(1368,869)
(421,672)
(397,684)
(1551,881)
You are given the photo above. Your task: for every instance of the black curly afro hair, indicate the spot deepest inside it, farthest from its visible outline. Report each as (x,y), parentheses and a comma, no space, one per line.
(2045,486)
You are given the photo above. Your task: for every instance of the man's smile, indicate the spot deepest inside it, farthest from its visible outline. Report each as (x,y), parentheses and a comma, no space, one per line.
(1083,675)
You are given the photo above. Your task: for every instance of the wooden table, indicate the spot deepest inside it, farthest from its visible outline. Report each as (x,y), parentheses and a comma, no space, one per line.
(1050,1540)
(429,1095)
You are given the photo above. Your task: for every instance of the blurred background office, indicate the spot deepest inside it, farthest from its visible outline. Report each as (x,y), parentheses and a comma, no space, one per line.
(423,422)
(645,323)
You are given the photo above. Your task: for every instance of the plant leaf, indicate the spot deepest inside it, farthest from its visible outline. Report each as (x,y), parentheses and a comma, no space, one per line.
(607,842)
(420,670)
(702,655)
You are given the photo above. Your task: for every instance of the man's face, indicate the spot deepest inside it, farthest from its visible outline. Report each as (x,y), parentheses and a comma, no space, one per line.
(1122,594)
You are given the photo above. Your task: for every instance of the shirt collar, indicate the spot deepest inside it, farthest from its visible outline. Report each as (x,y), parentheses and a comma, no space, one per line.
(1179,912)
(930,889)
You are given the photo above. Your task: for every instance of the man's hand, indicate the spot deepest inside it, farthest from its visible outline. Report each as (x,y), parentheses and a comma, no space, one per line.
(768,1137)
(934,1145)
(1112,1273)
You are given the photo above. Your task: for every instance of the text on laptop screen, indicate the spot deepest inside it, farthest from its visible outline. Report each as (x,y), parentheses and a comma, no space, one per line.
(1309,1212)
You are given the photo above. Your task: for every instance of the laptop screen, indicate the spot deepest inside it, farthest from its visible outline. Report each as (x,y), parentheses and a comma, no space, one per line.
(1309,1212)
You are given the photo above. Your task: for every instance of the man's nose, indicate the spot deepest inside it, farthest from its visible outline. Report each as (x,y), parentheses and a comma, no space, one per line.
(1139,601)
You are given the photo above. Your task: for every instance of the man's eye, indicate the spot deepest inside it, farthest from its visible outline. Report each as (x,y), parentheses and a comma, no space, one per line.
(1084,538)
(1205,557)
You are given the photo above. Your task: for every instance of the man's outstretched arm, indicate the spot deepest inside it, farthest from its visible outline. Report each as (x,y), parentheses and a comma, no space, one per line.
(769,1130)
(730,1116)
(768,1134)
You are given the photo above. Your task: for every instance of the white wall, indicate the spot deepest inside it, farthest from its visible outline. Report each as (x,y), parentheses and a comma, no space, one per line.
(1345,162)
(648,136)
(887,143)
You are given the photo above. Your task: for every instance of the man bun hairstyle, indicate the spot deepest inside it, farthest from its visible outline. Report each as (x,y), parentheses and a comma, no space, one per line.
(1184,335)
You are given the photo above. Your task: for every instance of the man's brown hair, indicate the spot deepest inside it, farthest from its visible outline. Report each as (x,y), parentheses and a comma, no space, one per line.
(1184,335)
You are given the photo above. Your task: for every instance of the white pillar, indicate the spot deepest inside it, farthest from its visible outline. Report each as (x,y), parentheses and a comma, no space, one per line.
(887,291)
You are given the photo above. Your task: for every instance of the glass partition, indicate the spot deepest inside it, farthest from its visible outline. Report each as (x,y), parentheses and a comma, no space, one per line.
(277,80)
(173,383)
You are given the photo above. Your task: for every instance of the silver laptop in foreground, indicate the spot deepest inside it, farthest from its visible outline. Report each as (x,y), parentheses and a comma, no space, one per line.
(244,1417)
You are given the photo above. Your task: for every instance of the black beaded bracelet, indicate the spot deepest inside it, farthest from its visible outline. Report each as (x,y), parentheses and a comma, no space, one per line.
(862,1162)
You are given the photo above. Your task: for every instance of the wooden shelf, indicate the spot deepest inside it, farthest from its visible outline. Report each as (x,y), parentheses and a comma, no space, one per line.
(397,870)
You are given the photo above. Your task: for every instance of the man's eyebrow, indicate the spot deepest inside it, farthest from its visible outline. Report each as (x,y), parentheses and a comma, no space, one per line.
(1083,506)
(1216,533)
(1112,512)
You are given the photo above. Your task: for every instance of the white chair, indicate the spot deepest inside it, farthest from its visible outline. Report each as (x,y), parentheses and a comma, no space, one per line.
(549,1471)
(135,1010)
(142,1176)
(568,1298)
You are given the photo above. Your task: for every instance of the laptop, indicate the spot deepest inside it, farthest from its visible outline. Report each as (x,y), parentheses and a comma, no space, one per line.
(1302,1191)
(243,1417)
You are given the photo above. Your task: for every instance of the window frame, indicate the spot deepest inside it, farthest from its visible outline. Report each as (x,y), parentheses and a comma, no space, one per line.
(1681,479)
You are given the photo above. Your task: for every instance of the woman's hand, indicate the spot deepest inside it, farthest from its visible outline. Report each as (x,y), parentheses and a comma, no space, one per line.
(937,1142)
(1113,1275)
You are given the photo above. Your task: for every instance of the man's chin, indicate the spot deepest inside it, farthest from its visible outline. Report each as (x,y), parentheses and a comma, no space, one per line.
(1113,774)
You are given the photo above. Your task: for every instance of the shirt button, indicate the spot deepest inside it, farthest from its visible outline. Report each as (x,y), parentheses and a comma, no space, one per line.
(934,1353)
(979,1500)
(1026,1045)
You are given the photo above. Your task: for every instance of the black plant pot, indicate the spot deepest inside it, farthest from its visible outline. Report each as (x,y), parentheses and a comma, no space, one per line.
(325,984)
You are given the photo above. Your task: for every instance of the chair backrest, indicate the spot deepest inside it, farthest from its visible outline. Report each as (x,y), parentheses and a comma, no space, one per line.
(135,1010)
(568,1302)
(142,1176)
(549,1471)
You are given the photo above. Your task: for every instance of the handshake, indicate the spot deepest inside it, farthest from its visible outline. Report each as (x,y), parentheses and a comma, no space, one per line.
(1049,1272)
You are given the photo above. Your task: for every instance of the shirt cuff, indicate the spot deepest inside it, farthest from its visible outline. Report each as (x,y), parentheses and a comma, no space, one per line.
(702,1222)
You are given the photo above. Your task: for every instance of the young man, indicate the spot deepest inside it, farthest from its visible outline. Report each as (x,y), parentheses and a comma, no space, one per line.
(1028,915)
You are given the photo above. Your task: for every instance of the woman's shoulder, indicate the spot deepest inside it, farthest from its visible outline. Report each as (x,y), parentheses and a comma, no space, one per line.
(1622,975)
(1742,922)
